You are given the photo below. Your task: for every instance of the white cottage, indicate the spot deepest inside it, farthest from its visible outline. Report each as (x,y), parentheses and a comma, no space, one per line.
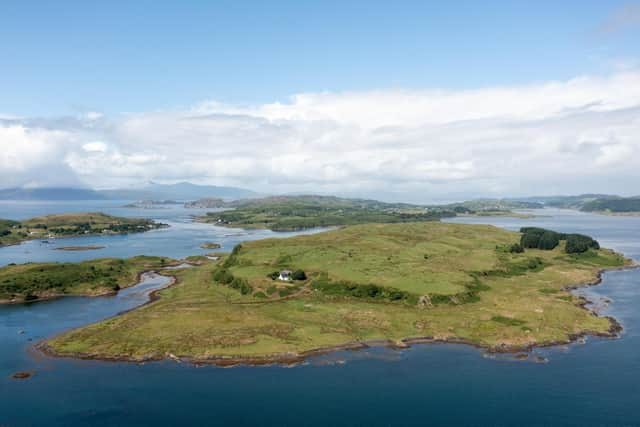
(285,276)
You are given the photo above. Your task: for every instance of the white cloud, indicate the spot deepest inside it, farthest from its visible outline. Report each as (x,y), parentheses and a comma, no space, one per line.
(93,147)
(573,136)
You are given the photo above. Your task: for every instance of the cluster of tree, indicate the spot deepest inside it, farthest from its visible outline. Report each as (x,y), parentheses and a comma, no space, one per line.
(540,238)
(356,290)
(223,276)
(60,277)
(578,243)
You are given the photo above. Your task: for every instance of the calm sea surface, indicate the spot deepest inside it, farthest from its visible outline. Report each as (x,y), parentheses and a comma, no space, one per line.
(596,383)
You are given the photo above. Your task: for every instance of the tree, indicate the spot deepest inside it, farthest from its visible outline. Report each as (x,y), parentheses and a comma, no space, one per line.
(579,243)
(549,240)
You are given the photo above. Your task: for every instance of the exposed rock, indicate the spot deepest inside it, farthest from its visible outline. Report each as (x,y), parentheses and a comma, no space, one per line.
(21,375)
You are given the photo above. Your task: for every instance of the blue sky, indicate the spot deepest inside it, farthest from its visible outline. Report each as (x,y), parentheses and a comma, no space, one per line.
(71,56)
(398,100)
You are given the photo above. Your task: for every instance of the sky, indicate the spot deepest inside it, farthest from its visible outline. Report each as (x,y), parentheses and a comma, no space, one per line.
(407,100)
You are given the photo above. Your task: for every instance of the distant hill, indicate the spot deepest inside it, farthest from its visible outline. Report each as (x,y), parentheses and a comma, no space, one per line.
(491,205)
(151,191)
(591,202)
(566,202)
(619,205)
(290,213)
(179,191)
(50,194)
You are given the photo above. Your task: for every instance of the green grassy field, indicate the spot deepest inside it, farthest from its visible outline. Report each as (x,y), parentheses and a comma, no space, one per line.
(519,298)
(433,258)
(70,225)
(36,281)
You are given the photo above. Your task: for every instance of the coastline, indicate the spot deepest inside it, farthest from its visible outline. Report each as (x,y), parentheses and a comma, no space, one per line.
(73,236)
(107,293)
(288,359)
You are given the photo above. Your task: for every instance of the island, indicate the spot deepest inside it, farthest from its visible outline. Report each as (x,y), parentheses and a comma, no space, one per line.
(71,225)
(491,207)
(41,281)
(280,300)
(210,245)
(79,248)
(207,203)
(151,204)
(291,213)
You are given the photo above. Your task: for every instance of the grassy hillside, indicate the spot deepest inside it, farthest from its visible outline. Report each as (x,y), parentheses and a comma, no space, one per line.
(433,258)
(513,300)
(69,225)
(286,213)
(34,281)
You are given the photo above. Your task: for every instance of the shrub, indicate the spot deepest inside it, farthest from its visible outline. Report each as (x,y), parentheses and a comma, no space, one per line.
(534,263)
(241,284)
(357,290)
(508,321)
(299,275)
(516,248)
(223,276)
(274,275)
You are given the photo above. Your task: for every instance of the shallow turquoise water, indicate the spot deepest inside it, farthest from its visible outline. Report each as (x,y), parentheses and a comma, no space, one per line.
(596,383)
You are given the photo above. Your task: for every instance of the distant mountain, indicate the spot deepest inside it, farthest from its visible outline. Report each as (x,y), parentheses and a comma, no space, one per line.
(151,191)
(53,193)
(179,191)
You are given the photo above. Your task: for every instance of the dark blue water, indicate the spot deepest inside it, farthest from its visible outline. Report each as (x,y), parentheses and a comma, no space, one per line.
(597,383)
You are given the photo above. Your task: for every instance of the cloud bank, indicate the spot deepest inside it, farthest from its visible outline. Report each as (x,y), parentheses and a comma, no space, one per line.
(554,137)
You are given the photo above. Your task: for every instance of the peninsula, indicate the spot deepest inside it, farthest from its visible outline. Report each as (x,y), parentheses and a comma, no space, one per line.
(41,281)
(291,213)
(71,225)
(280,300)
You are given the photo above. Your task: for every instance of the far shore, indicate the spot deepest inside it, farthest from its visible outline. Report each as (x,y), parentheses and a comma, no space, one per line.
(79,248)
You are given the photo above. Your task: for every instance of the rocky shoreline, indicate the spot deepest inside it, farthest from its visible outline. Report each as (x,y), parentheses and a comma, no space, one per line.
(295,358)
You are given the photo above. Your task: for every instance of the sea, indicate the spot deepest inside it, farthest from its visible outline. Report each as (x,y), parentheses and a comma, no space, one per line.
(595,382)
